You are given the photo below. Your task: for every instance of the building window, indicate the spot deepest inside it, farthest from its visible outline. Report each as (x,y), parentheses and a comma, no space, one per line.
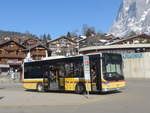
(62,41)
(11,44)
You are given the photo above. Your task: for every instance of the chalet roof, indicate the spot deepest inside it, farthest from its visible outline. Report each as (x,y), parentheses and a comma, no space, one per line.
(91,41)
(102,37)
(9,41)
(62,38)
(128,38)
(37,45)
(110,37)
(30,39)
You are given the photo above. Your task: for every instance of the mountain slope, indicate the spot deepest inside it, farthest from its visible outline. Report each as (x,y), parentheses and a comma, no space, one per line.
(4,34)
(133,16)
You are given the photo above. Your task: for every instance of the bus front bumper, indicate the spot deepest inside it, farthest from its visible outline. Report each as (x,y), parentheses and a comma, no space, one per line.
(112,86)
(112,89)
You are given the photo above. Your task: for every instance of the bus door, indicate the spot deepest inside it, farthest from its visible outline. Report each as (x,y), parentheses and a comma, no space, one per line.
(53,78)
(95,72)
(50,77)
(45,77)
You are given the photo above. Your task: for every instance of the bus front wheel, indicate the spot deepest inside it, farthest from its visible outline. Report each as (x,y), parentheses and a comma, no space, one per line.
(80,88)
(40,87)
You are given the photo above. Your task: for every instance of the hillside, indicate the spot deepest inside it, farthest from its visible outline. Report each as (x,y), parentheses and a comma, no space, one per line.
(4,34)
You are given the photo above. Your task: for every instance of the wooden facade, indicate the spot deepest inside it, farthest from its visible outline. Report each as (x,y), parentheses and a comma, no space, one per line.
(12,53)
(63,46)
(37,52)
(30,42)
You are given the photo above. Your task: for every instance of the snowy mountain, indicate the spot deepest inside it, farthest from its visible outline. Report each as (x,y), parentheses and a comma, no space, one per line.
(133,16)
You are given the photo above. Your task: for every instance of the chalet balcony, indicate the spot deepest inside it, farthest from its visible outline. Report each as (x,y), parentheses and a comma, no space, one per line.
(12,56)
(10,49)
(10,62)
(38,54)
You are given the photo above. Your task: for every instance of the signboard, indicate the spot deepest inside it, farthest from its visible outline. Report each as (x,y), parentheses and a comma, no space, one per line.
(132,55)
(86,63)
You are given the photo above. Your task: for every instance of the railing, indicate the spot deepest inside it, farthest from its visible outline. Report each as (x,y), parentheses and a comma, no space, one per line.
(12,55)
(10,62)
(38,53)
(11,48)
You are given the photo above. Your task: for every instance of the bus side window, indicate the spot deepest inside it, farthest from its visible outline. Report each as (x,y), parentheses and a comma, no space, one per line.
(79,69)
(69,69)
(74,67)
(61,73)
(60,69)
(93,75)
(33,71)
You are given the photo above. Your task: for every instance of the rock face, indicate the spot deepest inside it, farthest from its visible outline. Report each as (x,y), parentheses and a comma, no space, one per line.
(133,16)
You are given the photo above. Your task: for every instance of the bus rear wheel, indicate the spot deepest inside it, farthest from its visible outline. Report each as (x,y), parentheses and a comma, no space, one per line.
(40,87)
(80,88)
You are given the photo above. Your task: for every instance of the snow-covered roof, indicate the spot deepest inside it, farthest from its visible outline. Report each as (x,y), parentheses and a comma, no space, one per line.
(127,38)
(124,46)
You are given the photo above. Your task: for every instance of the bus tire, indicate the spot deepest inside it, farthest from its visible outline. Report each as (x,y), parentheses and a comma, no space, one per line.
(80,88)
(40,87)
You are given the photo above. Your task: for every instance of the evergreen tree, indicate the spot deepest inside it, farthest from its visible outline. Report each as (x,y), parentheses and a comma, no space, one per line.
(69,35)
(48,37)
(44,37)
(88,31)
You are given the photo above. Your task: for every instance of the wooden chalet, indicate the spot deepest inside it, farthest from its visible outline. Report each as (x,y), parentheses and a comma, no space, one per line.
(30,42)
(11,56)
(63,46)
(12,53)
(38,51)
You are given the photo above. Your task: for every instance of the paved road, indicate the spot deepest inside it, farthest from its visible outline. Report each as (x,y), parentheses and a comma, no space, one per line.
(134,99)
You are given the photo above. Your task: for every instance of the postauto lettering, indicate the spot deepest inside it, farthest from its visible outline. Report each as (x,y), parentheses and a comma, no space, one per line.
(133,55)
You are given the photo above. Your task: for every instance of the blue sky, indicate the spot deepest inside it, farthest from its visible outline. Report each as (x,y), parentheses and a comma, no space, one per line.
(57,17)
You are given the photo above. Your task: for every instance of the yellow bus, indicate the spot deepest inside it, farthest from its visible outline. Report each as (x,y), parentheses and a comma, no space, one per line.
(103,70)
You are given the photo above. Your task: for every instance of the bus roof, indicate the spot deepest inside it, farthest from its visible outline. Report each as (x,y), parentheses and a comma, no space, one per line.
(63,57)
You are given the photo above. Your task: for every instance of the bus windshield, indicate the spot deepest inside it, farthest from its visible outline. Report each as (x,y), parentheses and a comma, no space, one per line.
(112,67)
